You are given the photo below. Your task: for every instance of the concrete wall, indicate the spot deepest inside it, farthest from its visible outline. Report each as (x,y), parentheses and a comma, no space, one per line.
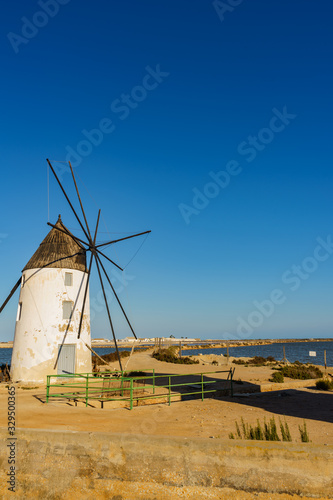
(52,463)
(42,328)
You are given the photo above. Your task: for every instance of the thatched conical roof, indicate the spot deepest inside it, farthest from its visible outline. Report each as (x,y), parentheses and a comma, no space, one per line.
(55,246)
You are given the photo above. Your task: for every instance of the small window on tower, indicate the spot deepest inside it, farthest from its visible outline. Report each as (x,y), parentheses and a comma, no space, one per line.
(23,280)
(19,312)
(67,308)
(68,279)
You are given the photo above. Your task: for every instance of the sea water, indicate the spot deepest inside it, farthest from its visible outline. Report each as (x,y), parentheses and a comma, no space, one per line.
(295,351)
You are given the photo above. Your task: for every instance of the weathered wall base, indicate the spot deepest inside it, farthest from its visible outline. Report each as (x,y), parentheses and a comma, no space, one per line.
(54,464)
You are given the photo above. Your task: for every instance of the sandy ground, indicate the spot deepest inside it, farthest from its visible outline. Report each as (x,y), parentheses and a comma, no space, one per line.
(212,418)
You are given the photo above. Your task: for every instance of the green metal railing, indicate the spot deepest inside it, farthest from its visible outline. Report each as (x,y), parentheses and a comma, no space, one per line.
(118,386)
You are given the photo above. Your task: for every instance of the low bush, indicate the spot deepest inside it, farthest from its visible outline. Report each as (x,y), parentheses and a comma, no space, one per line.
(304,433)
(239,362)
(324,385)
(255,361)
(277,377)
(301,372)
(169,356)
(267,431)
(109,357)
(135,374)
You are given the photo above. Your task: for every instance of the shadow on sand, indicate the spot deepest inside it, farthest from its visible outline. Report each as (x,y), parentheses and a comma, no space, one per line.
(302,403)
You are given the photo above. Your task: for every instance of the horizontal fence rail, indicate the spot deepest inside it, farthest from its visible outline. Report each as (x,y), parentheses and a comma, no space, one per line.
(121,386)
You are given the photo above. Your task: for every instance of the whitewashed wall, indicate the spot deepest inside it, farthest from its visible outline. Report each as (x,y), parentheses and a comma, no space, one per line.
(41,329)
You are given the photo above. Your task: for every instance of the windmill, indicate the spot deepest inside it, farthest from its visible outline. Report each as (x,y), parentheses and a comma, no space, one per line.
(62,255)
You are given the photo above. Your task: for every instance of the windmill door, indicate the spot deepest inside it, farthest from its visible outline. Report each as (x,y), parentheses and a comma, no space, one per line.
(66,359)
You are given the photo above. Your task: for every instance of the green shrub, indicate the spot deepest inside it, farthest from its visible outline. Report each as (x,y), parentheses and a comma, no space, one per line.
(277,377)
(255,361)
(271,430)
(169,356)
(304,433)
(239,361)
(135,374)
(324,385)
(109,357)
(267,432)
(285,432)
(302,372)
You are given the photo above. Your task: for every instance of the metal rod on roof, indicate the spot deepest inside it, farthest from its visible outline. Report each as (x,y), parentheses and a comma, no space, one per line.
(121,307)
(75,238)
(61,258)
(78,195)
(53,262)
(62,189)
(122,239)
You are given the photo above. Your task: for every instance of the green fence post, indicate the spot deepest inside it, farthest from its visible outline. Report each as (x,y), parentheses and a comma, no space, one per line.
(169,390)
(202,387)
(153,380)
(131,394)
(87,389)
(122,385)
(47,387)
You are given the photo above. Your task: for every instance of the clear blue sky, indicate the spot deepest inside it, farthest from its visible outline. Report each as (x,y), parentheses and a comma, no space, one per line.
(181,93)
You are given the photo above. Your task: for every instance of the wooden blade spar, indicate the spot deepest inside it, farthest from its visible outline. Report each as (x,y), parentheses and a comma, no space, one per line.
(85,295)
(13,290)
(96,253)
(79,197)
(114,292)
(122,239)
(107,258)
(68,200)
(75,238)
(109,315)
(88,278)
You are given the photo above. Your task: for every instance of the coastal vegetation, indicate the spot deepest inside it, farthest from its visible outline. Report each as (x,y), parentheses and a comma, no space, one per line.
(4,373)
(294,370)
(304,433)
(277,377)
(299,371)
(255,361)
(324,385)
(170,356)
(109,358)
(268,431)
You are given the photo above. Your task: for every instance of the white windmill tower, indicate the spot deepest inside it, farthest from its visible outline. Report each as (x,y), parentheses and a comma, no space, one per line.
(49,311)
(52,334)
